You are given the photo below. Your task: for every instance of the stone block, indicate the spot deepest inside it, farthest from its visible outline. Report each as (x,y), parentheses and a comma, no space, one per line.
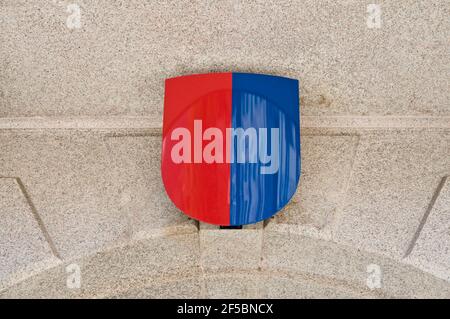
(24,248)
(230,249)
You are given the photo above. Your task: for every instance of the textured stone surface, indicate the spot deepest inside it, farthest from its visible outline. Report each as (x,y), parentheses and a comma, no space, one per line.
(233,285)
(326,167)
(134,268)
(227,249)
(291,253)
(394,178)
(92,190)
(97,190)
(432,249)
(80,118)
(178,289)
(294,266)
(141,191)
(24,250)
(276,285)
(117,61)
(70,179)
(140,264)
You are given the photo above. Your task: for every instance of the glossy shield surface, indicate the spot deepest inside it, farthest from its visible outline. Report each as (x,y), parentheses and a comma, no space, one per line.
(200,190)
(234,189)
(262,101)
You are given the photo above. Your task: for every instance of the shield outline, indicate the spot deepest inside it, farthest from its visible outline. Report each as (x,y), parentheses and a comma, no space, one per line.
(188,89)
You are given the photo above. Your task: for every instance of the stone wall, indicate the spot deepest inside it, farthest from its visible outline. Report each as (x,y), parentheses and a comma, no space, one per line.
(80,140)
